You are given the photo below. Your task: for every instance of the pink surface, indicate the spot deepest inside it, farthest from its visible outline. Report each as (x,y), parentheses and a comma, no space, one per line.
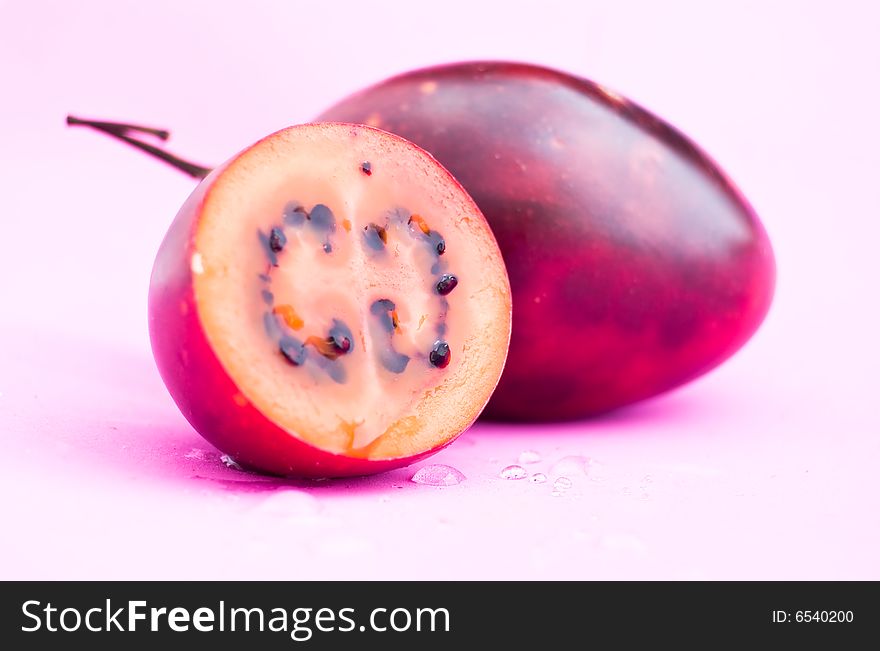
(764,469)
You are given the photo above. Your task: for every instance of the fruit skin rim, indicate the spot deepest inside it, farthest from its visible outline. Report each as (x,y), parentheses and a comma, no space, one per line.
(199,384)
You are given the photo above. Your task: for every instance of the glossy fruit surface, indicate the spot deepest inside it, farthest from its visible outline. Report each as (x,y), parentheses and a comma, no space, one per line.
(329,302)
(635,263)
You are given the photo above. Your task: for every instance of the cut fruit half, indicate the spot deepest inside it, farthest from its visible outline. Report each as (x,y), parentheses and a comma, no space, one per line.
(330,302)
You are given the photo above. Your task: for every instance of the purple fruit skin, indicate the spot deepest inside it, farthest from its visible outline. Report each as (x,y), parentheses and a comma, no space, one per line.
(636,265)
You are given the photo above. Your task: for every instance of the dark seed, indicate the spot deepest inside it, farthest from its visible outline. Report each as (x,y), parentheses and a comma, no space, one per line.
(268,297)
(439,355)
(367,167)
(292,350)
(277,240)
(441,329)
(446,284)
(340,336)
(265,278)
(437,242)
(322,218)
(328,247)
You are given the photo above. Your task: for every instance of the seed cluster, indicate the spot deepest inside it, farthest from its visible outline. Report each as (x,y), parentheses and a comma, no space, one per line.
(282,321)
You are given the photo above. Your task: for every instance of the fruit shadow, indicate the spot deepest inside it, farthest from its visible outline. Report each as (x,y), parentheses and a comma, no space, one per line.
(174,452)
(683,405)
(106,409)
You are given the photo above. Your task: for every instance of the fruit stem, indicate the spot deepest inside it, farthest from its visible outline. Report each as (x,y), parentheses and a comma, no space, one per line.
(122,131)
(118,127)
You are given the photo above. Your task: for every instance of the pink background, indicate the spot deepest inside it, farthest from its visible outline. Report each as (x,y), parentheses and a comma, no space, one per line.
(766,469)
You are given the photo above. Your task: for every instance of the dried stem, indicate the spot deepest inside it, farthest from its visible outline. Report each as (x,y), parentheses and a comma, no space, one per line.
(123,132)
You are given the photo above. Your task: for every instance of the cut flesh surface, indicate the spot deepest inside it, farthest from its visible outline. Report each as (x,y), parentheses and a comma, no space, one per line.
(351,290)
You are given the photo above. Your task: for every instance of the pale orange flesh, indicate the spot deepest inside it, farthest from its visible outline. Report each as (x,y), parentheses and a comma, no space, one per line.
(361,408)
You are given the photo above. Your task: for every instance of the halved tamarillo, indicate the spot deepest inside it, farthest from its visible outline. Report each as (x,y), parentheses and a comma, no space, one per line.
(329,302)
(635,263)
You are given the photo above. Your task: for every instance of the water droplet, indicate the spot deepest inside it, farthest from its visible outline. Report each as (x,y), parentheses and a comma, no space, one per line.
(529,456)
(538,478)
(570,465)
(513,472)
(438,475)
(229,462)
(562,484)
(196,264)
